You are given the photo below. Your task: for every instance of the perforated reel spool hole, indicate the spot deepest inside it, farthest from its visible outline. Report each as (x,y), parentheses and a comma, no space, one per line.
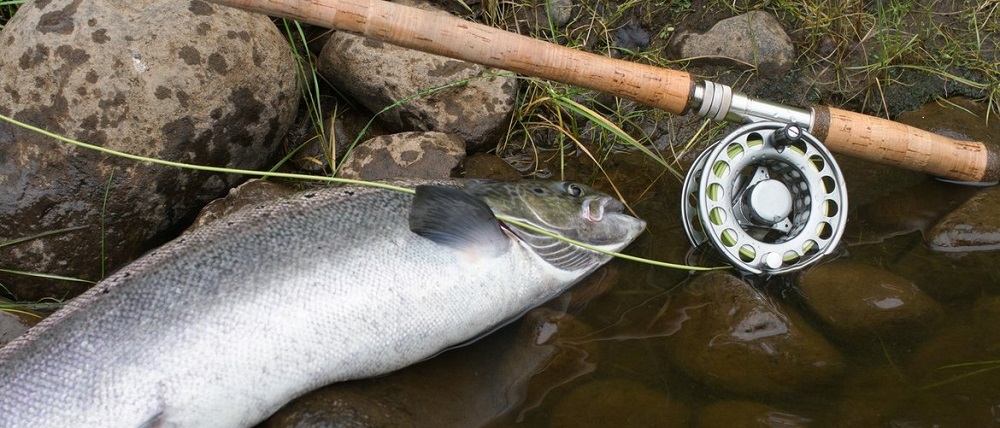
(769,197)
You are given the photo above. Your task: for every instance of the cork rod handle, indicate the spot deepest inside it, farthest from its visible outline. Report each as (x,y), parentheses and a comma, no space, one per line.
(893,143)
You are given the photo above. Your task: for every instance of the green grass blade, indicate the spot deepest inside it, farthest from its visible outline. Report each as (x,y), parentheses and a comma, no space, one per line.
(41,235)
(46,276)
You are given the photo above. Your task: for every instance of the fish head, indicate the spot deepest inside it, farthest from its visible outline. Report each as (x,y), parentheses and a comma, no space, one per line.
(571,210)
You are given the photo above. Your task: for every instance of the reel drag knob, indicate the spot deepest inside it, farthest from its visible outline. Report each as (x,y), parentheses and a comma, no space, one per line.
(769,197)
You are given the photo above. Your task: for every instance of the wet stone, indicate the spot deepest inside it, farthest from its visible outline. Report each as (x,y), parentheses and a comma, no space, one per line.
(607,402)
(405,155)
(748,414)
(487,165)
(344,409)
(957,117)
(860,301)
(247,194)
(735,338)
(868,395)
(974,226)
(15,322)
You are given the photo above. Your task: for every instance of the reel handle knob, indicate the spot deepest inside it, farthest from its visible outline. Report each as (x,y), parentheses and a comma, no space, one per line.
(789,134)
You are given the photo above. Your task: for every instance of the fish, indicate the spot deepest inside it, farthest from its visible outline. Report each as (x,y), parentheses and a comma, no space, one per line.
(223,325)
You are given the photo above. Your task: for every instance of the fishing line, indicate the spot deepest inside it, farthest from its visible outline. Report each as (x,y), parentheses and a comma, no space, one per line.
(294,176)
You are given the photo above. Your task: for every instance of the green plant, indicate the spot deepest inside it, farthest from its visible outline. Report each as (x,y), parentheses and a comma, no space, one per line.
(858,49)
(961,371)
(7,10)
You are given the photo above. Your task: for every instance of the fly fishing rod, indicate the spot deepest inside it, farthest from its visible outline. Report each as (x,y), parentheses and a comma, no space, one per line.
(769,196)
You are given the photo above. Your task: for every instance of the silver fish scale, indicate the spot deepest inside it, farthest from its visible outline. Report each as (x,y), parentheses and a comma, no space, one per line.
(225,324)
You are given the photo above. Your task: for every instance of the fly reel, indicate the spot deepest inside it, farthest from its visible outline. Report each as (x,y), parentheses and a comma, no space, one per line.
(769,197)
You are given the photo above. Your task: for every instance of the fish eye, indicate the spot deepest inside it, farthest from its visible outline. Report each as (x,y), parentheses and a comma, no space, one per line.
(573,189)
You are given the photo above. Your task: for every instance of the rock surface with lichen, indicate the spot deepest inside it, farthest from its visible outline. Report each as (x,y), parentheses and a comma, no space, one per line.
(182,81)
(433,93)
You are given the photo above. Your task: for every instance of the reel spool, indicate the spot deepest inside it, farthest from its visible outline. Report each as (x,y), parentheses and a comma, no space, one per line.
(769,197)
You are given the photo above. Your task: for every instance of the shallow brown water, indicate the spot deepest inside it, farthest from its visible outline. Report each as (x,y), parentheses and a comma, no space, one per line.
(887,377)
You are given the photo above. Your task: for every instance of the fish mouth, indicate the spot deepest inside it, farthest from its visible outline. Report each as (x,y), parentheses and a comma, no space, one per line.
(595,209)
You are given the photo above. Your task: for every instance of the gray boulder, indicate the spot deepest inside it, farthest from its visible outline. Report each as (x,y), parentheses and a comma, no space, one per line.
(476,104)
(184,81)
(754,39)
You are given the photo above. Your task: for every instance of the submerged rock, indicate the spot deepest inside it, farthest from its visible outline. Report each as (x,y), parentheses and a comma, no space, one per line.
(868,396)
(347,409)
(949,276)
(955,372)
(404,155)
(491,166)
(911,209)
(754,39)
(859,301)
(748,414)
(473,102)
(184,81)
(609,402)
(734,338)
(957,117)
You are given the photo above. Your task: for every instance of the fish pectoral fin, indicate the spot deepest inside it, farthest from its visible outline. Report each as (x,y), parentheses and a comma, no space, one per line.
(155,422)
(452,217)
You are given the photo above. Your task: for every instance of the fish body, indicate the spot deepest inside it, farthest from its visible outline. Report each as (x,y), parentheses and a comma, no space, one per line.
(225,324)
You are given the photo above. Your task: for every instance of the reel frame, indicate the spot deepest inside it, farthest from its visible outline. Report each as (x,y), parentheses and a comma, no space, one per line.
(769,197)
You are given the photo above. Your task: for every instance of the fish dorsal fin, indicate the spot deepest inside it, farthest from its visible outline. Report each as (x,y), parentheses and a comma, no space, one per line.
(452,217)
